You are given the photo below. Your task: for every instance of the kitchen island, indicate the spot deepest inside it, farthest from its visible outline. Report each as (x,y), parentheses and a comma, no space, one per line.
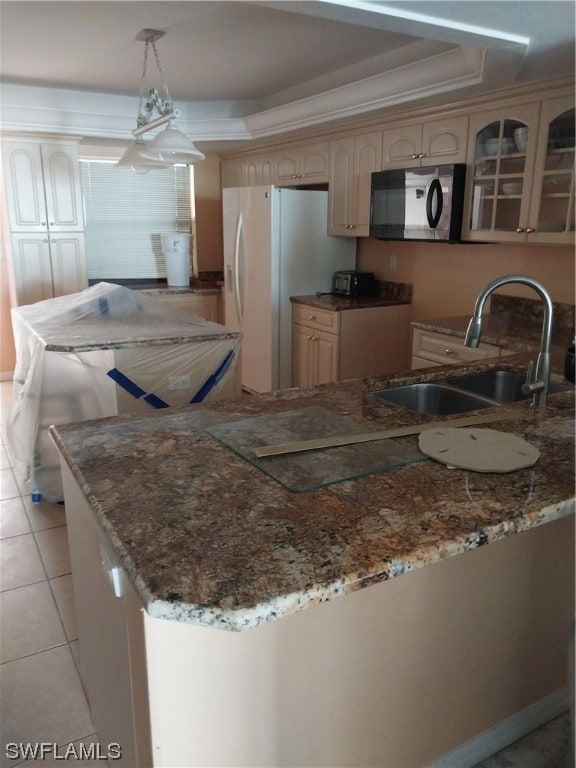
(259,644)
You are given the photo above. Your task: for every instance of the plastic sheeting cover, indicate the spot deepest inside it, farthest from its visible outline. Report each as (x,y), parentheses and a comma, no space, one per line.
(104,351)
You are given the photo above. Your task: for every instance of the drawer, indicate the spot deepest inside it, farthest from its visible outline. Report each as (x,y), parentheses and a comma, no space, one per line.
(443,348)
(321,319)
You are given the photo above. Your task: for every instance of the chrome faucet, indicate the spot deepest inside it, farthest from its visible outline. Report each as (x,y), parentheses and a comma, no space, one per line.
(536,384)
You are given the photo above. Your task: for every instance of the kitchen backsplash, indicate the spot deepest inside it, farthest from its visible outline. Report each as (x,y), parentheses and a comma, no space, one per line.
(397,291)
(520,314)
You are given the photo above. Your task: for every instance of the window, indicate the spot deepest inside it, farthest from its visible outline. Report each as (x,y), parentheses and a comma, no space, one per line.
(125,214)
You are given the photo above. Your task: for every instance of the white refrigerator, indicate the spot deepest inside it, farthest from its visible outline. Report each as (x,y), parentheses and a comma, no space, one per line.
(275,246)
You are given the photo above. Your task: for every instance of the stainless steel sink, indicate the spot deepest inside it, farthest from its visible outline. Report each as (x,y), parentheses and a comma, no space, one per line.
(501,386)
(433,399)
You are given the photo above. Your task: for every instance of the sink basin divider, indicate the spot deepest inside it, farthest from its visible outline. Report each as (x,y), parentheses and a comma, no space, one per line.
(383,434)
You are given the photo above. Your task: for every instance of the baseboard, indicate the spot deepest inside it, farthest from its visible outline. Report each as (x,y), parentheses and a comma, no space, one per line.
(506,732)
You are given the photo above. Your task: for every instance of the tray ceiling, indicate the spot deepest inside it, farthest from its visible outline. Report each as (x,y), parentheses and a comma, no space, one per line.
(267,67)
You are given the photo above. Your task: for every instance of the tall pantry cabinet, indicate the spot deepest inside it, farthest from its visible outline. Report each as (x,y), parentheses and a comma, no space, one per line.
(44,204)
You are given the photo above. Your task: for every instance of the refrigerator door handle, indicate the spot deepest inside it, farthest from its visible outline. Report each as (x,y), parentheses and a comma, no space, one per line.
(237,293)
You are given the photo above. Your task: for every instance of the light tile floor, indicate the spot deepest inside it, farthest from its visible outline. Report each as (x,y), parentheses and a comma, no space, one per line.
(41,696)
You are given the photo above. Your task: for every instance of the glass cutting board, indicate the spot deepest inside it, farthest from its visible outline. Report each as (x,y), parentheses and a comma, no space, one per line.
(313,469)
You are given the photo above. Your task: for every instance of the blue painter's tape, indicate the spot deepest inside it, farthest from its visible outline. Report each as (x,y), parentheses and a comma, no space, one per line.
(214,378)
(126,383)
(155,401)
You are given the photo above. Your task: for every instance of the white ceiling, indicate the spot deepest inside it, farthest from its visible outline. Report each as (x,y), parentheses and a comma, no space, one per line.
(278,64)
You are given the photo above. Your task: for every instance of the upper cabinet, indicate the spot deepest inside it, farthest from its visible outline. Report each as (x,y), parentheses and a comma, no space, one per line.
(521,184)
(352,162)
(553,193)
(45,212)
(519,158)
(249,171)
(306,164)
(430,143)
(43,185)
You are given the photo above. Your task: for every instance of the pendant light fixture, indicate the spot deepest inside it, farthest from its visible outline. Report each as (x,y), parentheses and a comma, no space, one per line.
(170,146)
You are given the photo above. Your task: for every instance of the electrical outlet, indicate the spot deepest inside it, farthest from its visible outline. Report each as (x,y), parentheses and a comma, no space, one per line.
(393,262)
(179,382)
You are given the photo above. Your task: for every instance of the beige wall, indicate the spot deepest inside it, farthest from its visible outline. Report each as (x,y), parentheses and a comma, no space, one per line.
(208,221)
(447,278)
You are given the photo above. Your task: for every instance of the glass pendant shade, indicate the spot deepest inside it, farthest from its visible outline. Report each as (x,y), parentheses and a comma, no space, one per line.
(134,159)
(172,146)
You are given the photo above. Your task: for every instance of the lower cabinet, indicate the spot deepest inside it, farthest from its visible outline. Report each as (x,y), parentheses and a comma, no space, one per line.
(111,635)
(329,345)
(199,304)
(430,348)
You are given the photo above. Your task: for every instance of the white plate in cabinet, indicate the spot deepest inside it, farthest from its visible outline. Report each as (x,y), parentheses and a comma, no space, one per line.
(430,348)
(521,188)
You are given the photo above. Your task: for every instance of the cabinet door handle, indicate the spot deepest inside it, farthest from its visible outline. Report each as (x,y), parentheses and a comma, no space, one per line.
(43,223)
(51,223)
(421,155)
(45,240)
(529,230)
(311,317)
(415,157)
(520,230)
(449,351)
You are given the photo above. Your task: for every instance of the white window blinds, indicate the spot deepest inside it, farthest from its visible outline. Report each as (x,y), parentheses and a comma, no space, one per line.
(125,214)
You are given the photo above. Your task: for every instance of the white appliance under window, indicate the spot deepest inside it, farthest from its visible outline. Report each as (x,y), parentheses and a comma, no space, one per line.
(275,246)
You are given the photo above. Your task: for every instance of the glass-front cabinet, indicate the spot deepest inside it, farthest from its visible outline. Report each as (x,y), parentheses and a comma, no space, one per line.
(521,188)
(553,196)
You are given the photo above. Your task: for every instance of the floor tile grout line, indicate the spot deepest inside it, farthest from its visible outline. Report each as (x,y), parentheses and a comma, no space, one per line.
(68,642)
(36,653)
(64,629)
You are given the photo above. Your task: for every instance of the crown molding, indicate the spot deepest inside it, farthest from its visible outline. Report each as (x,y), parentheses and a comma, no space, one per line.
(28,108)
(448,71)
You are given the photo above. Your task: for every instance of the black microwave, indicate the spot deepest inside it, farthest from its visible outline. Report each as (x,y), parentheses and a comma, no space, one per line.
(418,203)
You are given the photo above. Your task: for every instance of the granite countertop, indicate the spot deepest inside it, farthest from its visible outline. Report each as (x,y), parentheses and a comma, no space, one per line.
(109,316)
(195,288)
(209,283)
(206,537)
(389,294)
(513,323)
(336,303)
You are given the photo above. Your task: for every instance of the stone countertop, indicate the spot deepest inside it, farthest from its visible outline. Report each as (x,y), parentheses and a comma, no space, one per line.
(206,537)
(513,323)
(109,316)
(526,339)
(199,288)
(389,294)
(336,303)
